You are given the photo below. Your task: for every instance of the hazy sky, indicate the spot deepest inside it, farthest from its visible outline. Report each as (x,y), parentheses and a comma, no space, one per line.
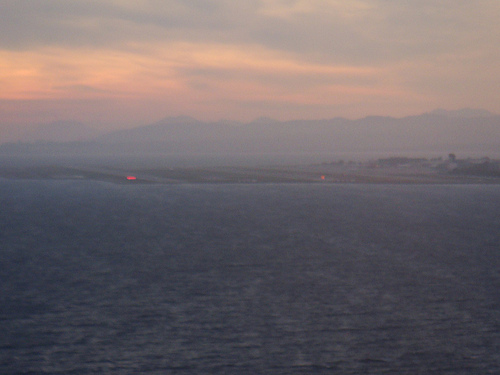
(115,63)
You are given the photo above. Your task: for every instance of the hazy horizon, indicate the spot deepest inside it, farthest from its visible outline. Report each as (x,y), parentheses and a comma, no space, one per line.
(120,64)
(68,130)
(467,132)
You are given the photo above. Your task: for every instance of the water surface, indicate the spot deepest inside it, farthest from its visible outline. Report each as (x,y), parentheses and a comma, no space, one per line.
(247,279)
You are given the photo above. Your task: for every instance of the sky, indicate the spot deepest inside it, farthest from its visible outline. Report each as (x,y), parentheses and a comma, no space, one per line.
(122,63)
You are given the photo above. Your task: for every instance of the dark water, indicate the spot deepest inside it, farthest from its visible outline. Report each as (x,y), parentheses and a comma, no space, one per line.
(249,279)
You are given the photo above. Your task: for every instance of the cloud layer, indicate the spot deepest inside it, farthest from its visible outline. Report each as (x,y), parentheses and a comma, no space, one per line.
(235,59)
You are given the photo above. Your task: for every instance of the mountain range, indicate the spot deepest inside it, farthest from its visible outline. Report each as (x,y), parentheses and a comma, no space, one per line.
(466,131)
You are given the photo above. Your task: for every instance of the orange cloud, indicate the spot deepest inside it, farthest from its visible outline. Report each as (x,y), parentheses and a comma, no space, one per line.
(53,73)
(199,79)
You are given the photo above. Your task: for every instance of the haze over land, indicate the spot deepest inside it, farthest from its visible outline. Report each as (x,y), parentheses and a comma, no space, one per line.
(467,132)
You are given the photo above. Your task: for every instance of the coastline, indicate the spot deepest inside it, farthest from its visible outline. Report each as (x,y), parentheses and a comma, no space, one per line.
(318,173)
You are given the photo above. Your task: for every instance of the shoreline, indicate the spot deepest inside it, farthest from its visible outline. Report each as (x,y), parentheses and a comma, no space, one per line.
(323,174)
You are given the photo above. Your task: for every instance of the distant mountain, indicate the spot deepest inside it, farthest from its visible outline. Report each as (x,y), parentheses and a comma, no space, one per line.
(438,131)
(161,131)
(60,131)
(464,131)
(463,113)
(264,121)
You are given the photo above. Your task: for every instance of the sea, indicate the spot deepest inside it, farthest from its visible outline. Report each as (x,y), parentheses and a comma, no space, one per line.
(102,278)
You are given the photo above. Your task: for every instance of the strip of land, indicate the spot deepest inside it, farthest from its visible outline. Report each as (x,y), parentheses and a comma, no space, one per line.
(382,171)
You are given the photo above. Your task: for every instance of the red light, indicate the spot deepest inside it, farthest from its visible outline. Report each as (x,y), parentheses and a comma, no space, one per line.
(322,177)
(131,178)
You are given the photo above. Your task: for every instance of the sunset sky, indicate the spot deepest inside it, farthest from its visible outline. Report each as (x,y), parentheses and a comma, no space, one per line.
(123,63)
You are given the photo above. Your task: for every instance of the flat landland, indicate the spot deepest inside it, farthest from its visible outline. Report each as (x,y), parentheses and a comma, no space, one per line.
(382,171)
